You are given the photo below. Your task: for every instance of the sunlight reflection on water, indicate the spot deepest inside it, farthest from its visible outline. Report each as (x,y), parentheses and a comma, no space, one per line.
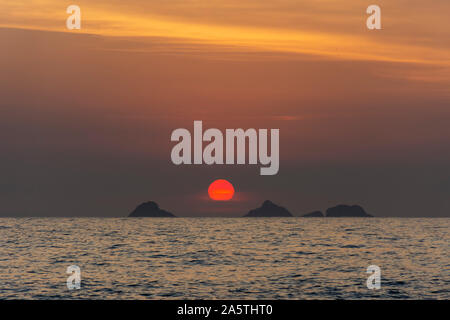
(224,258)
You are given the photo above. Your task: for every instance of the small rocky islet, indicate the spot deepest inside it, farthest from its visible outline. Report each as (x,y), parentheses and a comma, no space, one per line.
(267,209)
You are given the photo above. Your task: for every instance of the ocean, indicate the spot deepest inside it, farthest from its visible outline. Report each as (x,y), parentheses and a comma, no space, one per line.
(224,258)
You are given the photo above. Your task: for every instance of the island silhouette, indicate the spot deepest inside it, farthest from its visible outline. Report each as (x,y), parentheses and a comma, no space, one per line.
(267,209)
(314,214)
(343,210)
(270,209)
(150,209)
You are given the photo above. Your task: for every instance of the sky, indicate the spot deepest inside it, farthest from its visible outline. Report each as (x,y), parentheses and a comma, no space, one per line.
(86,115)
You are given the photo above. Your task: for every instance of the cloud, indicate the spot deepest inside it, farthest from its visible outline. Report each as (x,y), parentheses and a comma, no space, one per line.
(329,29)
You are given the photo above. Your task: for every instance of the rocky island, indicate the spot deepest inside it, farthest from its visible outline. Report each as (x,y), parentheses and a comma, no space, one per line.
(314,214)
(150,209)
(343,210)
(269,209)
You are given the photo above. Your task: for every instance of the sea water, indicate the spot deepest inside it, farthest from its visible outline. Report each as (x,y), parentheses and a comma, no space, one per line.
(224,258)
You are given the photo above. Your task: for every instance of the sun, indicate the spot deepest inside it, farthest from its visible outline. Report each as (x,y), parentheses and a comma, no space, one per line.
(221,190)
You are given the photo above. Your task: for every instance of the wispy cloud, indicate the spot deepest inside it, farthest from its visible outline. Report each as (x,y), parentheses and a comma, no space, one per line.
(330,29)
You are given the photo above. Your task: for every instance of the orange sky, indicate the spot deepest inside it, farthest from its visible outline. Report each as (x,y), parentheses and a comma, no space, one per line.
(333,28)
(363,115)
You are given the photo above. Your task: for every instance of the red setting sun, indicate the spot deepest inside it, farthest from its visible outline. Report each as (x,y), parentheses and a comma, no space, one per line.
(221,190)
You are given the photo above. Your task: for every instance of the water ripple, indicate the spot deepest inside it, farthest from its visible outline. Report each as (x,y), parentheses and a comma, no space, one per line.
(202,258)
